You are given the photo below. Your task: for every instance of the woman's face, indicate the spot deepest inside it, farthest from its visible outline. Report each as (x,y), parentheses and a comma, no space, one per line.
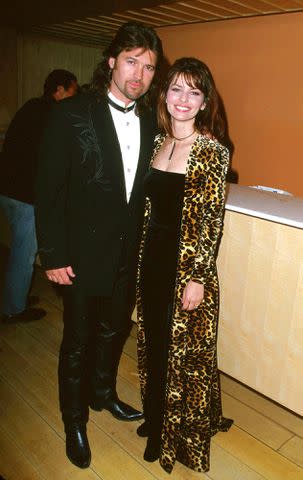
(184,101)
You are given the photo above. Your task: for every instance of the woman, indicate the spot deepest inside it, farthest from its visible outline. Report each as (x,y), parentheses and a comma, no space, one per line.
(178,285)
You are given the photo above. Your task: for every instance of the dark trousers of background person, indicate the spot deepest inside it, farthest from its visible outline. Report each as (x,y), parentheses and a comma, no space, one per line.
(95,330)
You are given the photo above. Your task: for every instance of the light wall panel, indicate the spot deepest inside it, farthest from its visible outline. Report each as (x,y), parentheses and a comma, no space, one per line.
(37,56)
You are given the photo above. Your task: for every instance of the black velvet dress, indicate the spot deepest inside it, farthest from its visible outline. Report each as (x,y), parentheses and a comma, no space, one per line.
(158,275)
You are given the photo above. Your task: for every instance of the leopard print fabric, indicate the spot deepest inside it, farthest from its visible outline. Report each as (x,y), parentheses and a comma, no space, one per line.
(193,410)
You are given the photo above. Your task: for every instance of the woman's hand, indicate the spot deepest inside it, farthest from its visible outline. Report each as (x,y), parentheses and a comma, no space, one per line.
(192,296)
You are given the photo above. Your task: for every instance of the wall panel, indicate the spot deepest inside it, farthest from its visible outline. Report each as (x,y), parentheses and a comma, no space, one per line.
(38,56)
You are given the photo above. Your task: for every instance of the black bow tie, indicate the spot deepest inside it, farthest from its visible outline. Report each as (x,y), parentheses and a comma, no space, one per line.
(118,107)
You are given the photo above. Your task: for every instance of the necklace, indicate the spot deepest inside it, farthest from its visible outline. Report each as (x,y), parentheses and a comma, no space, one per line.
(184,138)
(174,143)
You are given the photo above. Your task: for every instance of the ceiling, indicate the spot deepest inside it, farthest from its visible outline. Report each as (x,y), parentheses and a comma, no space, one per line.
(93,22)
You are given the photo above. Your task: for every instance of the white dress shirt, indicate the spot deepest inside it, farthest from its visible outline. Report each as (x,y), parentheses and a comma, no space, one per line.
(127,126)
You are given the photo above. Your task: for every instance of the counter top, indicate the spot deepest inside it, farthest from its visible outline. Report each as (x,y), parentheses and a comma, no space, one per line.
(276,207)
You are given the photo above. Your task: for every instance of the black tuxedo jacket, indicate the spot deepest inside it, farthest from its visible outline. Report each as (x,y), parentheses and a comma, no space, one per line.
(83,218)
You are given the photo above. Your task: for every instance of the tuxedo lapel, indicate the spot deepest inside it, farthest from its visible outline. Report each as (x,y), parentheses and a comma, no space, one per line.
(109,145)
(146,143)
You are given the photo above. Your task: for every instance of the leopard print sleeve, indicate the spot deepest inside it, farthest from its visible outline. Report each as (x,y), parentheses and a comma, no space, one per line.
(212,213)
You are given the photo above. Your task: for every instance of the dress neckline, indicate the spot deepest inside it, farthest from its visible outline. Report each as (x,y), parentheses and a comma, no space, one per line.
(165,171)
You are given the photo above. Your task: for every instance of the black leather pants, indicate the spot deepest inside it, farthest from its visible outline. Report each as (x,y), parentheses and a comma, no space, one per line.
(95,329)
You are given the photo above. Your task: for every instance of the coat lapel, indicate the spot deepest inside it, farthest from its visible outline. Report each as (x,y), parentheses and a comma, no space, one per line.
(146,145)
(109,145)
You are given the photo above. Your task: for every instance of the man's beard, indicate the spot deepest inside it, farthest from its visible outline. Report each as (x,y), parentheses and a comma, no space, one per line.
(133,94)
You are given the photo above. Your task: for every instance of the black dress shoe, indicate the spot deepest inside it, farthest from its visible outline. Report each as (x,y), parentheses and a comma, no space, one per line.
(77,446)
(28,315)
(142,430)
(118,409)
(152,451)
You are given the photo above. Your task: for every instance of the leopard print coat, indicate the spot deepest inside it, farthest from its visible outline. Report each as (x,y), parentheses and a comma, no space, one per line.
(193,401)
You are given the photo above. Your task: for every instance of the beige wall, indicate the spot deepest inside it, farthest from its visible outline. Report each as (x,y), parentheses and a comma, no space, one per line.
(257,64)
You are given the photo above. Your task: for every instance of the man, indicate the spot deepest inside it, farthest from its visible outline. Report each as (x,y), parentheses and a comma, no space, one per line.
(89,212)
(18,167)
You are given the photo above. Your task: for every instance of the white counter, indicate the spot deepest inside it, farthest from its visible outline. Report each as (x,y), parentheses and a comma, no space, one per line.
(276,207)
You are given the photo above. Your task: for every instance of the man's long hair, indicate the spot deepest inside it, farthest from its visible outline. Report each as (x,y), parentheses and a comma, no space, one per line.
(131,35)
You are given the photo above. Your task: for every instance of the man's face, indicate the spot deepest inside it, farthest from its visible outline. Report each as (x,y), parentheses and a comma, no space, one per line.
(61,93)
(132,74)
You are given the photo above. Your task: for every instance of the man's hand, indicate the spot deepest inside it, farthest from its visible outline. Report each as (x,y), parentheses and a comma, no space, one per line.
(61,275)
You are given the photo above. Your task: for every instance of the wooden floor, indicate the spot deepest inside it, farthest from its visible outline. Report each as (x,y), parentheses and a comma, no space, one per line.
(266,441)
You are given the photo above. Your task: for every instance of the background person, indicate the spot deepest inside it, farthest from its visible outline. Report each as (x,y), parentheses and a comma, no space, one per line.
(90,203)
(178,285)
(18,163)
